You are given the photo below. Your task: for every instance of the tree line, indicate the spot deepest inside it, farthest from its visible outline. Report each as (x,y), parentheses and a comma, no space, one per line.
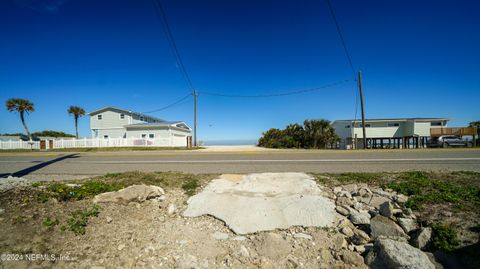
(312,134)
(24,106)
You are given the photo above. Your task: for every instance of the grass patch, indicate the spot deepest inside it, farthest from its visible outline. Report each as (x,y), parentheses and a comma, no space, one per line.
(423,188)
(64,192)
(444,237)
(190,186)
(48,222)
(79,219)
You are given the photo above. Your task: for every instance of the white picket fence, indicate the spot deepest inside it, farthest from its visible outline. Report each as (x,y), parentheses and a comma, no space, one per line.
(98,143)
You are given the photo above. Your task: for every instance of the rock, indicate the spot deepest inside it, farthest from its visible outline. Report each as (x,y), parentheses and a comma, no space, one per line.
(342,210)
(345,194)
(109,219)
(422,237)
(239,238)
(120,247)
(344,201)
(360,249)
(352,188)
(360,218)
(244,251)
(2,211)
(400,198)
(407,224)
(360,237)
(220,236)
(171,209)
(337,189)
(344,222)
(134,193)
(383,226)
(263,202)
(339,242)
(347,231)
(376,201)
(303,236)
(388,253)
(383,193)
(351,258)
(273,246)
(386,209)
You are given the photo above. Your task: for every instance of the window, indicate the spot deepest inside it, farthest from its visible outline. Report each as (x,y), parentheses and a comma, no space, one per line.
(141,118)
(105,136)
(347,126)
(144,136)
(152,136)
(122,116)
(436,123)
(99,117)
(366,125)
(393,124)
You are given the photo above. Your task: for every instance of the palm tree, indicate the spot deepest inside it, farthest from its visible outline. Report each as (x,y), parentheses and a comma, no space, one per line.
(21,106)
(319,133)
(77,112)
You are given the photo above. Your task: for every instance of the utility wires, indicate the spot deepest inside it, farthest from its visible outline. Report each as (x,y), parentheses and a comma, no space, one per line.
(276,94)
(170,105)
(171,41)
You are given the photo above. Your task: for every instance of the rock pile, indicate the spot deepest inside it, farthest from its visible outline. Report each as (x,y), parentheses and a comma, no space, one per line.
(377,225)
(10,183)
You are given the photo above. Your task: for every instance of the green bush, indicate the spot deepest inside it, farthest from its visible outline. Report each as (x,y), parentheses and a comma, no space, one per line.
(64,192)
(444,237)
(79,219)
(50,222)
(313,134)
(190,186)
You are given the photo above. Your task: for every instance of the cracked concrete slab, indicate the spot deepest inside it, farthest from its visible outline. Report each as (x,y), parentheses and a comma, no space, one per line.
(265,201)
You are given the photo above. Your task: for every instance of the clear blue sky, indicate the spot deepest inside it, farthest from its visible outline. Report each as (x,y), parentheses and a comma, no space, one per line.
(419,59)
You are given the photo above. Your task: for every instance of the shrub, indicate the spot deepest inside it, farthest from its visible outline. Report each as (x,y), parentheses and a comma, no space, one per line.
(79,219)
(444,237)
(190,186)
(50,222)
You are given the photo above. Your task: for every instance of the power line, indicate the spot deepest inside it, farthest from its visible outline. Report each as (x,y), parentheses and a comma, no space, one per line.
(339,31)
(171,41)
(276,94)
(170,105)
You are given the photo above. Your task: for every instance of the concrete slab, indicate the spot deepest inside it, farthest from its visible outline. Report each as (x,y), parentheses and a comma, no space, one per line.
(262,202)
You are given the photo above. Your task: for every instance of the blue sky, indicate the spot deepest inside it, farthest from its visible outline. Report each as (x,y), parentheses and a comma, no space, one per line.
(418,59)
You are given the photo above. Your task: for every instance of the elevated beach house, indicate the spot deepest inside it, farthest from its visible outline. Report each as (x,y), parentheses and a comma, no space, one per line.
(387,133)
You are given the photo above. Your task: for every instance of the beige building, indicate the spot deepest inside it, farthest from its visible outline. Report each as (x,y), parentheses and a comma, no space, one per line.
(387,133)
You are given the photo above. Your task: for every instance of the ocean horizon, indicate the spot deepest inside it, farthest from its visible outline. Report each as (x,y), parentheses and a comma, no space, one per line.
(229,142)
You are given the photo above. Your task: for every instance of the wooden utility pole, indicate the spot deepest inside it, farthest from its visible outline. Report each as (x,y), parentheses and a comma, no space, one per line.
(363,110)
(194,118)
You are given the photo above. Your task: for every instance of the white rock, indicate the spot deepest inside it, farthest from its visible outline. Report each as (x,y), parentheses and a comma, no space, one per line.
(109,219)
(383,226)
(388,253)
(239,238)
(171,209)
(220,236)
(360,218)
(121,246)
(422,237)
(303,236)
(244,251)
(134,193)
(347,231)
(407,225)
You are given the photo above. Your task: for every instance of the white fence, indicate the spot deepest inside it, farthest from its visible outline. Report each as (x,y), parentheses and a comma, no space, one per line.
(97,143)
(12,144)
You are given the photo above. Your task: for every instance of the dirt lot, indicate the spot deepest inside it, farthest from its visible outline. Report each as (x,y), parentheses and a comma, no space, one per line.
(37,219)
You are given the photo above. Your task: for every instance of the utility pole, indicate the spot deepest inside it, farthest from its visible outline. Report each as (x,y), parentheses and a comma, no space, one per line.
(363,110)
(195,118)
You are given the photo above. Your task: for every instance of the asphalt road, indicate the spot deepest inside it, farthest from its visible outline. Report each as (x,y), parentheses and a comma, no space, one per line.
(44,164)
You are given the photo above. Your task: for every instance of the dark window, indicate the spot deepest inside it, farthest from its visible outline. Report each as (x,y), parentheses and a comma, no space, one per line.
(105,136)
(393,124)
(99,117)
(436,123)
(151,136)
(144,136)
(347,126)
(122,116)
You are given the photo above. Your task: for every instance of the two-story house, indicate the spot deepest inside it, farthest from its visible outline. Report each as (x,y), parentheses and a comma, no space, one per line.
(112,122)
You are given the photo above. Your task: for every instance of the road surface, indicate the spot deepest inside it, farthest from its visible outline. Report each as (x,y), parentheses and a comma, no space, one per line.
(44,164)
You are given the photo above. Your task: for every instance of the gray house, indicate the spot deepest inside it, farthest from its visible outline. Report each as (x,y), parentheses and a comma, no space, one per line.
(112,122)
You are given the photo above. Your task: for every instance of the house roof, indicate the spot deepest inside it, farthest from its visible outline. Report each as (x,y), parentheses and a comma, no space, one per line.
(158,124)
(92,113)
(397,119)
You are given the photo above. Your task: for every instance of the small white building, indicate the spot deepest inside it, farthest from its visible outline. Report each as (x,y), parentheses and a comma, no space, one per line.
(111,122)
(387,133)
